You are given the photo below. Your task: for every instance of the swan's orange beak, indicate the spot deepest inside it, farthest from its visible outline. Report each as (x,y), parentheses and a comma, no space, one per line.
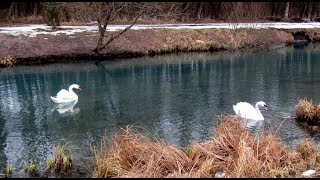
(79,88)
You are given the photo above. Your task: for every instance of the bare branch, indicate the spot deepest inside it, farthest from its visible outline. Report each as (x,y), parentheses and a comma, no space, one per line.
(113,37)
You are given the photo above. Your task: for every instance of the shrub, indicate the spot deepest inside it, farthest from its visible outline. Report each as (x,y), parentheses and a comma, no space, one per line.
(51,14)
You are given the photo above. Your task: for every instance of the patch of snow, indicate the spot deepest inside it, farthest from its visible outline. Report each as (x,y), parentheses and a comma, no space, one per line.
(36,29)
(308,173)
(220,175)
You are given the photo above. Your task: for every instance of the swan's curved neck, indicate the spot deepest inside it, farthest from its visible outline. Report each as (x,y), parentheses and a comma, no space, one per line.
(71,91)
(258,110)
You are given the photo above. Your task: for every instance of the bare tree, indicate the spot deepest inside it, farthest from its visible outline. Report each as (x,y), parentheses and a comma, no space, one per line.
(105,13)
(286,12)
(11,8)
(200,10)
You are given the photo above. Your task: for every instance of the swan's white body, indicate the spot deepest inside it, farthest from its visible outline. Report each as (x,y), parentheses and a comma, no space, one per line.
(246,110)
(65,96)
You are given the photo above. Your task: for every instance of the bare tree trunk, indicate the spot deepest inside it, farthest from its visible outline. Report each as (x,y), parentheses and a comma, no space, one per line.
(309,9)
(304,10)
(35,9)
(317,10)
(22,9)
(16,9)
(200,10)
(273,9)
(286,12)
(10,12)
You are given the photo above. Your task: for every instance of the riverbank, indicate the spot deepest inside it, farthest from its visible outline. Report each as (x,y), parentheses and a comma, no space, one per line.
(62,47)
(231,153)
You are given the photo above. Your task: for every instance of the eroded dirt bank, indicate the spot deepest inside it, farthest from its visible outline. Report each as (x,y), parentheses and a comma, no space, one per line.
(44,49)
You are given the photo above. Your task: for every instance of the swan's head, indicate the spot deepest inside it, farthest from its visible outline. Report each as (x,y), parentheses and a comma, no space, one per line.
(76,86)
(262,104)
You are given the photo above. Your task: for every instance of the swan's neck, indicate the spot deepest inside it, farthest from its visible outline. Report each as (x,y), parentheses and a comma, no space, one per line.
(258,110)
(71,91)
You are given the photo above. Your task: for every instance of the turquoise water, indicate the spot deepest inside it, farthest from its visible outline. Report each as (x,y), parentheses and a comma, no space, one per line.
(174,97)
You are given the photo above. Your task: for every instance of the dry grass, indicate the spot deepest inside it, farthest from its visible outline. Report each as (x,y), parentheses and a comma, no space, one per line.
(24,20)
(62,159)
(8,170)
(232,150)
(307,112)
(134,155)
(8,61)
(308,151)
(240,155)
(60,48)
(31,168)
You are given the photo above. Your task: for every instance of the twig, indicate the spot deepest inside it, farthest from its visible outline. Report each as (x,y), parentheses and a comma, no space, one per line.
(280,126)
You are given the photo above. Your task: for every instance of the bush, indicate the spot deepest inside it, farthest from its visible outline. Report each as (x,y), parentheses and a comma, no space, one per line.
(51,14)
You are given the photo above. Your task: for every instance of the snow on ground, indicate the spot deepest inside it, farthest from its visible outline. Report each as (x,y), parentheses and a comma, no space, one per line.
(34,30)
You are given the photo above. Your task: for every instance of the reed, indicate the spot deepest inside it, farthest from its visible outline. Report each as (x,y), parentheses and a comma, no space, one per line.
(8,170)
(31,168)
(62,159)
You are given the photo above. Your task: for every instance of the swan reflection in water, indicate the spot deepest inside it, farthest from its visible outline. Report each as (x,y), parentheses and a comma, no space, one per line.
(66,107)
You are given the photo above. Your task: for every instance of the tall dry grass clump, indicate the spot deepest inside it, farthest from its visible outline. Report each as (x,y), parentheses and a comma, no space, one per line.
(62,159)
(134,155)
(232,150)
(304,110)
(235,151)
(308,151)
(307,112)
(214,155)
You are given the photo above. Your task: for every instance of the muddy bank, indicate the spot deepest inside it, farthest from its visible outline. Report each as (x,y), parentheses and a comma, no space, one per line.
(44,49)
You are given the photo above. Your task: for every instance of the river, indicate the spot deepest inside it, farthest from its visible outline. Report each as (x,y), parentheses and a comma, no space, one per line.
(175,97)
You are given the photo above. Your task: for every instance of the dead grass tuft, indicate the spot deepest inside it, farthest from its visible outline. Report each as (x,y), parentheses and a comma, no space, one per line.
(308,151)
(134,155)
(307,112)
(62,159)
(8,61)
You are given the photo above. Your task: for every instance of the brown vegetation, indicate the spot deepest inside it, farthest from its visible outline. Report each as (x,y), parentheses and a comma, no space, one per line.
(62,160)
(63,48)
(232,150)
(307,112)
(8,61)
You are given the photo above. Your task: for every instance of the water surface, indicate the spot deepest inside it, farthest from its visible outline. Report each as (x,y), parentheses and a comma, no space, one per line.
(174,97)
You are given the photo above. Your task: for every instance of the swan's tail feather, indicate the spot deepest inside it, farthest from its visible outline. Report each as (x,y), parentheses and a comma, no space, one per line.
(53,99)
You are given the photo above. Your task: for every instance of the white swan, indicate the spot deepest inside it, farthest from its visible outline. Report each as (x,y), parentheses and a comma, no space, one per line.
(65,96)
(246,110)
